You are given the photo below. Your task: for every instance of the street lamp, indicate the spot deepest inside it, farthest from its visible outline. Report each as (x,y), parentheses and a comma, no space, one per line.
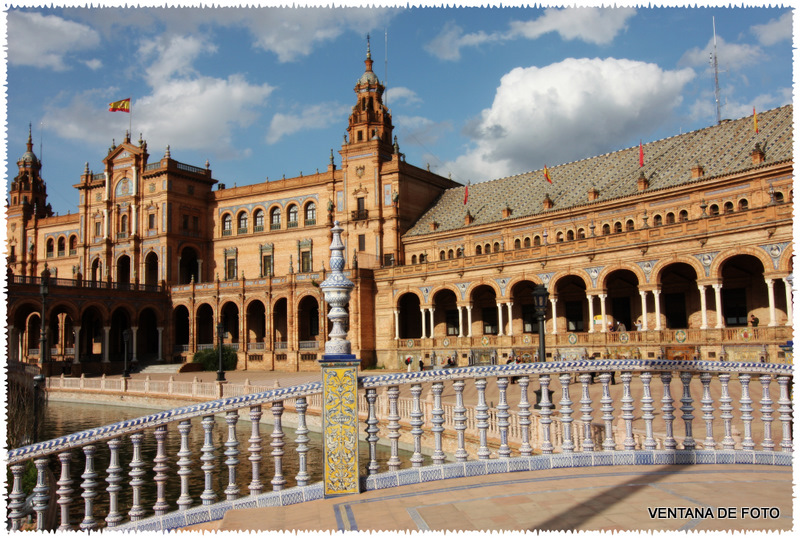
(36,380)
(44,289)
(126,336)
(220,372)
(540,295)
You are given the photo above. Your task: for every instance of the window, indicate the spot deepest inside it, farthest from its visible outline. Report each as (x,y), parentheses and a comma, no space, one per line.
(230,269)
(441,255)
(617,227)
(527,242)
(266,265)
(414,259)
(581,233)
(311,214)
(517,244)
(537,241)
(98,229)
(657,221)
(489,317)
(227,224)
(362,243)
(670,218)
(743,205)
(275,219)
(529,319)
(292,212)
(713,210)
(629,226)
(497,247)
(570,235)
(73,245)
(305,262)
(196,223)
(123,224)
(683,216)
(560,237)
(606,229)
(779,197)
(258,220)
(151,221)
(451,320)
(450,254)
(728,207)
(241,223)
(185,222)
(459,252)
(478,250)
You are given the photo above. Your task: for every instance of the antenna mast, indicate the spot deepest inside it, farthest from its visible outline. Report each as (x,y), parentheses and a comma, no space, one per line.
(386,61)
(716,72)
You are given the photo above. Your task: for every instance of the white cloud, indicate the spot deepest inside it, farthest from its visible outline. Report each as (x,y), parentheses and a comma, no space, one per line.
(399,94)
(775,30)
(45,41)
(319,116)
(420,131)
(729,55)
(567,111)
(174,56)
(94,64)
(592,25)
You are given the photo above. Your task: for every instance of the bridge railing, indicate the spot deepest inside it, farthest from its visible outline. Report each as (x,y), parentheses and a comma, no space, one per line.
(630,407)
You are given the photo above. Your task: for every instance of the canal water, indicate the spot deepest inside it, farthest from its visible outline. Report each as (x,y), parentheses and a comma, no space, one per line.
(66,418)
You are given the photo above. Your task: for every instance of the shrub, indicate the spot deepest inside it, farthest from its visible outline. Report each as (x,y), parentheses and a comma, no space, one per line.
(209,358)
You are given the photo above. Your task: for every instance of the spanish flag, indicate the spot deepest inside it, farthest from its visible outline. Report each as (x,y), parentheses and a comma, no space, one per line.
(547,175)
(755,120)
(120,106)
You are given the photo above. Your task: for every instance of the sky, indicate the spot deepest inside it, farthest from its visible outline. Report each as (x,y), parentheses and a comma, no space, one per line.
(475,93)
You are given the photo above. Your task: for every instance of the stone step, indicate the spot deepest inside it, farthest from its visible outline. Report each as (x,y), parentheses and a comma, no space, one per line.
(161,369)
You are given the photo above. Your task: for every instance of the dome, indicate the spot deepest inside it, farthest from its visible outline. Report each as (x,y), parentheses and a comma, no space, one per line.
(368,78)
(29,157)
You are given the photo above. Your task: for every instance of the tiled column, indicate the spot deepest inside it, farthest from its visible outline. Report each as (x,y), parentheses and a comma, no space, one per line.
(718,304)
(604,324)
(555,317)
(106,339)
(643,295)
(510,319)
(396,325)
(657,300)
(499,319)
(771,298)
(787,285)
(703,313)
(590,299)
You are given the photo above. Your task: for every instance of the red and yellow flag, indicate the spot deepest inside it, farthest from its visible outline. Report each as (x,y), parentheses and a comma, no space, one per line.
(547,175)
(755,120)
(120,106)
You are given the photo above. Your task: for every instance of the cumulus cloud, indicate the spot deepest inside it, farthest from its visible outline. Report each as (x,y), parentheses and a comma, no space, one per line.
(729,55)
(420,131)
(567,111)
(174,56)
(774,31)
(399,94)
(590,24)
(46,41)
(319,116)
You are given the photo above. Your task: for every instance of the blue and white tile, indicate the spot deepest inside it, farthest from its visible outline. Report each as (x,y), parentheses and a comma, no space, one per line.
(703,457)
(541,463)
(475,468)
(560,461)
(744,457)
(497,466)
(624,457)
(643,457)
(408,476)
(725,456)
(603,458)
(685,457)
(454,470)
(663,458)
(764,458)
(429,474)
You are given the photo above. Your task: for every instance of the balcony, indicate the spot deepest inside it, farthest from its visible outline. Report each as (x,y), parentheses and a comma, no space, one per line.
(275,226)
(226,232)
(73,251)
(241,231)
(61,253)
(258,228)
(359,214)
(122,235)
(292,224)
(311,222)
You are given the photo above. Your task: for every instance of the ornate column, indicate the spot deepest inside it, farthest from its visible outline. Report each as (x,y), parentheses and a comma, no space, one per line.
(643,295)
(499,319)
(339,384)
(718,304)
(396,324)
(590,299)
(469,321)
(787,286)
(656,294)
(460,322)
(422,316)
(553,301)
(604,324)
(703,313)
(106,338)
(510,319)
(771,298)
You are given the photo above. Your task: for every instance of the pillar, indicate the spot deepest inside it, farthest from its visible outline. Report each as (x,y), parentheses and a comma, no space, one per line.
(499,319)
(643,295)
(13,343)
(555,317)
(718,304)
(604,323)
(469,321)
(105,224)
(590,299)
(106,340)
(432,324)
(160,346)
(77,357)
(510,319)
(199,271)
(771,298)
(656,296)
(422,315)
(787,285)
(460,322)
(703,313)
(133,343)
(396,325)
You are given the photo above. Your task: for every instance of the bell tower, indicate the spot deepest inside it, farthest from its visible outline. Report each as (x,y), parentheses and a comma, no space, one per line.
(370,120)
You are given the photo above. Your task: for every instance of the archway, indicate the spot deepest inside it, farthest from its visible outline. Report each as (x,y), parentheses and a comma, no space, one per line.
(280,334)
(680,297)
(188,268)
(151,269)
(120,322)
(230,320)
(445,314)
(147,335)
(124,271)
(90,345)
(484,311)
(744,290)
(523,310)
(624,303)
(204,326)
(256,322)
(96,272)
(308,320)
(409,316)
(180,328)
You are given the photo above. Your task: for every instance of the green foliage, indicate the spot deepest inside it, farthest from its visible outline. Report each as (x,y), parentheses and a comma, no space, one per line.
(209,358)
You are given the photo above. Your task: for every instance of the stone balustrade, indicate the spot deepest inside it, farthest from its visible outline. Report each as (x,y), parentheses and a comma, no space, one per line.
(458,422)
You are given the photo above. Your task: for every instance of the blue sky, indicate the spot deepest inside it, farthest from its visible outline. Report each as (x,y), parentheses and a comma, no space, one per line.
(476,93)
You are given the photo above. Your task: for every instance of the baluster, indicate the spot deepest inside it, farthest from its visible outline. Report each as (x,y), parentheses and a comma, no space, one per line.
(65,490)
(437,420)
(687,408)
(726,408)
(161,468)
(568,444)
(41,492)
(785,411)
(416,425)
(608,412)
(89,492)
(277,445)
(17,497)
(482,418)
(524,415)
(114,480)
(745,405)
(184,464)
(627,411)
(231,452)
(136,473)
(460,419)
(666,412)
(545,412)
(372,430)
(254,449)
(393,427)
(647,411)
(766,413)
(502,418)
(586,412)
(708,411)
(208,496)
(302,441)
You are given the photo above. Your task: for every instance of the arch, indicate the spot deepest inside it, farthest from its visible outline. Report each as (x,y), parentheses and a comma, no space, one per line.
(623,302)
(292,213)
(204,326)
(124,271)
(629,225)
(241,222)
(680,296)
(496,247)
(180,325)
(147,333)
(310,212)
(602,278)
(527,242)
(683,216)
(62,245)
(151,269)
(414,259)
(571,308)
(743,204)
(256,318)
(408,305)
(123,224)
(478,250)
(227,224)
(280,322)
(670,218)
(441,255)
(308,326)
(450,254)
(258,219)
(559,237)
(553,283)
(722,257)
(618,227)
(606,229)
(92,335)
(657,220)
(727,207)
(483,298)
(188,266)
(445,313)
(570,235)
(656,274)
(713,210)
(50,246)
(744,291)
(275,218)
(229,317)
(73,243)
(517,244)
(537,241)
(581,233)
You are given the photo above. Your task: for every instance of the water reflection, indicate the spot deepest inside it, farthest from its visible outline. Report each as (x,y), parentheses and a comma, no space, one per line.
(66,418)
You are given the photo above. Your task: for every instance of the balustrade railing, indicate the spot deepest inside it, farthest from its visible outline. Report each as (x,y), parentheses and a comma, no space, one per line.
(625,406)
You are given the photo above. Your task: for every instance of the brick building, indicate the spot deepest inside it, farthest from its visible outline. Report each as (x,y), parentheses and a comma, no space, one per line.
(686,248)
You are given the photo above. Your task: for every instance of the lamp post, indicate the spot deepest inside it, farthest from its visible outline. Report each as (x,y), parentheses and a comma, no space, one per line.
(44,289)
(220,372)
(540,296)
(36,380)
(126,336)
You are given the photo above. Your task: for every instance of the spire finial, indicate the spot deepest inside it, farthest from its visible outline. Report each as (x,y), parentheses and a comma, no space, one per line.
(30,138)
(369,53)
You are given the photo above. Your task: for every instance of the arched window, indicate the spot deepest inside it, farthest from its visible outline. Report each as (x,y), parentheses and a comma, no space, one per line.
(459,252)
(497,247)
(414,259)
(537,240)
(657,220)
(559,237)
(683,216)
(670,218)
(743,204)
(606,229)
(123,224)
(423,258)
(713,210)
(292,212)
(241,223)
(581,233)
(50,247)
(629,225)
(779,197)
(478,250)
(617,227)
(450,254)
(311,214)
(62,246)
(517,244)
(441,255)
(227,224)
(527,242)
(73,245)
(487,248)
(275,219)
(728,207)
(570,235)
(258,220)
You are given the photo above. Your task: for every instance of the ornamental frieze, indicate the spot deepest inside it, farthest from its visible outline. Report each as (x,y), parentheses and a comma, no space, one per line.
(775,251)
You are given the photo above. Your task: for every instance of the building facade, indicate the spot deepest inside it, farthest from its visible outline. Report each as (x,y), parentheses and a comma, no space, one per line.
(669,258)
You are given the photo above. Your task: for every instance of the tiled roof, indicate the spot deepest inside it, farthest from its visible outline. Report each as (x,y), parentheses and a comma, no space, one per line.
(720,150)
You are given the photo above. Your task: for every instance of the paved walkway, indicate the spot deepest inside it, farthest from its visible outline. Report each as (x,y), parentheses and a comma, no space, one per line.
(633,498)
